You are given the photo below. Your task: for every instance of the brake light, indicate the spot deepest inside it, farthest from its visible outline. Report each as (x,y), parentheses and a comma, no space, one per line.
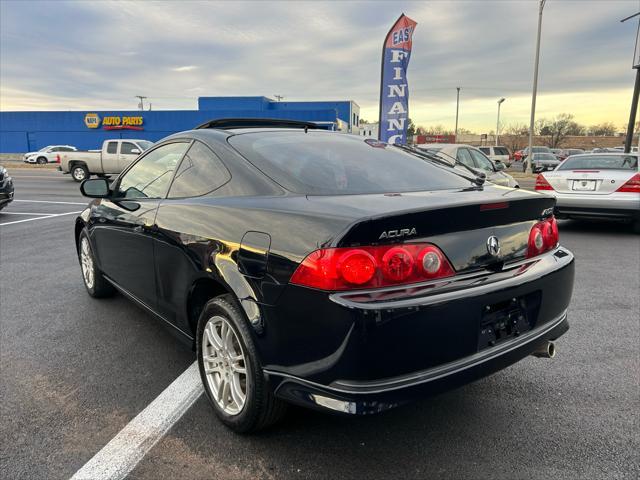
(371,267)
(544,236)
(632,185)
(542,183)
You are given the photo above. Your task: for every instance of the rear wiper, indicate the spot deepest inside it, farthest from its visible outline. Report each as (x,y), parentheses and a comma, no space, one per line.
(478,177)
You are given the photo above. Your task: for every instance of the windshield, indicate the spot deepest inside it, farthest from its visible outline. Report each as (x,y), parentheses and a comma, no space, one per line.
(601,162)
(324,163)
(144,144)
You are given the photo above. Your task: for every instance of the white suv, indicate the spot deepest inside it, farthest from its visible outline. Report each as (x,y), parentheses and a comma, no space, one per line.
(497,154)
(47,154)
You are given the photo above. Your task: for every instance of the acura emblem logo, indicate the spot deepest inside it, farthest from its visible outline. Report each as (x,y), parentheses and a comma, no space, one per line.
(493,245)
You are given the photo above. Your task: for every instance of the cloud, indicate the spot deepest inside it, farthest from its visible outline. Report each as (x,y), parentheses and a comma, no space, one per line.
(185,68)
(175,51)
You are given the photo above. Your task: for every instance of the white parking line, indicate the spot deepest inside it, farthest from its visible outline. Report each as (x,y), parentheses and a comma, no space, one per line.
(48,201)
(25,213)
(127,448)
(29,177)
(39,218)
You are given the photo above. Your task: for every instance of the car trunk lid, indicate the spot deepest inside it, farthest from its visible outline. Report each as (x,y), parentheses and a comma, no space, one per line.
(458,222)
(588,181)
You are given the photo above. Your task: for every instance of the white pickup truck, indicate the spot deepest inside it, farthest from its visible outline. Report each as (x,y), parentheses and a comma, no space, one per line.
(114,157)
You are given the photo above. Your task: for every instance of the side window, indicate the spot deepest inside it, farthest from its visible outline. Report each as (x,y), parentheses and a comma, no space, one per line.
(487,150)
(200,172)
(112,147)
(151,175)
(126,147)
(464,158)
(481,161)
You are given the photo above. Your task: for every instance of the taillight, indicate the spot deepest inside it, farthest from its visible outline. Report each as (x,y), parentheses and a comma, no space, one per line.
(542,183)
(631,186)
(371,267)
(544,236)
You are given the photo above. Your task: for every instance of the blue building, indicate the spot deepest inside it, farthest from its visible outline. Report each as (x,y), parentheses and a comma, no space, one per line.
(28,131)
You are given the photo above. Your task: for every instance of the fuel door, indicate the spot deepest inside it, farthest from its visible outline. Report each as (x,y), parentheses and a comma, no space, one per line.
(253,254)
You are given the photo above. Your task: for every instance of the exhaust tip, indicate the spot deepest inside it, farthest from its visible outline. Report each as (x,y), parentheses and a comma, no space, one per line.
(547,350)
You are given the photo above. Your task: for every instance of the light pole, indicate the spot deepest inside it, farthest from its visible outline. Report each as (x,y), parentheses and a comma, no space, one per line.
(498,122)
(636,90)
(535,82)
(457,108)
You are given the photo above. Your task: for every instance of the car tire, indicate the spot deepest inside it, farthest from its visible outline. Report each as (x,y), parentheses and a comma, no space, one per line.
(41,160)
(260,408)
(79,172)
(92,278)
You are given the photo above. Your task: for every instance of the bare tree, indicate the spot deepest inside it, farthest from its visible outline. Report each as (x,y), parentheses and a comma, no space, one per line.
(514,136)
(606,129)
(438,130)
(557,129)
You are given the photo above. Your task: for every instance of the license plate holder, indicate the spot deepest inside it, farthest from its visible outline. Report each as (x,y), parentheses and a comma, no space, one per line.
(502,321)
(584,185)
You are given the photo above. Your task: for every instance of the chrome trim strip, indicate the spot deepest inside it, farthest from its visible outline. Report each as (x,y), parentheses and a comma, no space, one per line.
(459,286)
(435,373)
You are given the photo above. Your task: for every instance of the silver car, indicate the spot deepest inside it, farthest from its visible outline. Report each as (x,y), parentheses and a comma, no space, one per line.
(597,185)
(474,159)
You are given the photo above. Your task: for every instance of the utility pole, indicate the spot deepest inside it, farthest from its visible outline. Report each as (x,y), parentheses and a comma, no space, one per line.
(457,108)
(278,97)
(498,122)
(535,83)
(636,90)
(141,104)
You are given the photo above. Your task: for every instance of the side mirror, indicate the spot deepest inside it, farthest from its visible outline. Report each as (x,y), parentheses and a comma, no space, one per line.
(95,188)
(499,166)
(135,150)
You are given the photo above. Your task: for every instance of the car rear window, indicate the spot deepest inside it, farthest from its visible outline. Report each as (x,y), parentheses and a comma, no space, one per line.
(601,162)
(324,163)
(544,156)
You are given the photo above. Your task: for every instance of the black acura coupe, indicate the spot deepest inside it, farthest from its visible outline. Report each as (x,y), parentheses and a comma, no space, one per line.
(323,269)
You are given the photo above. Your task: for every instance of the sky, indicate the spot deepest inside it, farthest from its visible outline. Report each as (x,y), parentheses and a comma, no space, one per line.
(91,55)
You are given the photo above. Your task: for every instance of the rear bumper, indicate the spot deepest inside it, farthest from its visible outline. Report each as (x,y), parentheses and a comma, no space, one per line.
(375,350)
(612,205)
(363,398)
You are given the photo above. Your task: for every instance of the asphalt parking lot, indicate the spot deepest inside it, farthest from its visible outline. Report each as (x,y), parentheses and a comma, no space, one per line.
(75,371)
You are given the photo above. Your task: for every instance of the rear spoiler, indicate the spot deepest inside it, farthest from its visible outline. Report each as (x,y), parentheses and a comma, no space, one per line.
(231,123)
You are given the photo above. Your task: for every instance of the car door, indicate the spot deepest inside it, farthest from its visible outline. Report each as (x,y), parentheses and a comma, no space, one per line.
(51,154)
(129,151)
(185,239)
(124,224)
(110,157)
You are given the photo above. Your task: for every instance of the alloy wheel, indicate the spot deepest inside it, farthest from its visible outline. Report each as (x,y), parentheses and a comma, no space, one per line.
(86,261)
(78,173)
(225,365)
